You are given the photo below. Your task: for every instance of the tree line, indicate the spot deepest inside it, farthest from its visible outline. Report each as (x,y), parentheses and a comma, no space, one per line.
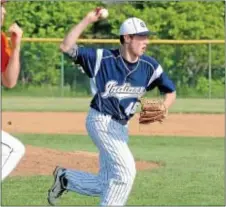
(186,64)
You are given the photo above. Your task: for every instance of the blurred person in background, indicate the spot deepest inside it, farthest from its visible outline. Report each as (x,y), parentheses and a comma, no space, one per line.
(12,149)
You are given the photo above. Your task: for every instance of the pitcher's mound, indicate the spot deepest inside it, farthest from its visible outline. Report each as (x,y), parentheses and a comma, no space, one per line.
(42,161)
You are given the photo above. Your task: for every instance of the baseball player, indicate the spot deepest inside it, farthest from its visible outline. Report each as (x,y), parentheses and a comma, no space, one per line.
(119,79)
(12,149)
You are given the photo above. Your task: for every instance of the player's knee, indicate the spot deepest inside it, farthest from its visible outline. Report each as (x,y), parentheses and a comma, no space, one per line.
(16,145)
(19,149)
(133,171)
(130,172)
(23,150)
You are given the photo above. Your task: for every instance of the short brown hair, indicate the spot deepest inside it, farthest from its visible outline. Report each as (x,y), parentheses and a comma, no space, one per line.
(122,40)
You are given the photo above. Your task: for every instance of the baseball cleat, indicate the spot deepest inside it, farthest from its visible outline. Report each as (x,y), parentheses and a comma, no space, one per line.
(57,188)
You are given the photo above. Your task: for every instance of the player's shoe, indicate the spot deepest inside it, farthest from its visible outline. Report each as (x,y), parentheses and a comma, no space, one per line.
(57,188)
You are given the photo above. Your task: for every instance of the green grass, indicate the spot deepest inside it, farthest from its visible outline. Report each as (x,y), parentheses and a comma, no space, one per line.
(82,104)
(192,172)
(44,104)
(44,91)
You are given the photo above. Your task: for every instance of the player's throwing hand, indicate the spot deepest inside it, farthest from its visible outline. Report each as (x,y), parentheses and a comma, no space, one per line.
(94,15)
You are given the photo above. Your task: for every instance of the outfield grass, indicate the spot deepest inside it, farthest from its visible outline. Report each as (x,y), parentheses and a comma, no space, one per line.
(192,172)
(82,104)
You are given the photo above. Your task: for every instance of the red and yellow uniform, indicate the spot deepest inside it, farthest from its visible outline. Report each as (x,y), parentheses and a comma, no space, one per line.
(5,52)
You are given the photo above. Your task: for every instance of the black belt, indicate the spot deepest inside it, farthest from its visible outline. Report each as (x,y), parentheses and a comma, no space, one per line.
(120,121)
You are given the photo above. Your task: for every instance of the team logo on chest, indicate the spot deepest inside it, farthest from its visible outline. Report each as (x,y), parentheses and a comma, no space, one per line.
(112,89)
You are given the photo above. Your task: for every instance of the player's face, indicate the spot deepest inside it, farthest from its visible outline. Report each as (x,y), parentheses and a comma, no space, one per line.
(138,44)
(3,12)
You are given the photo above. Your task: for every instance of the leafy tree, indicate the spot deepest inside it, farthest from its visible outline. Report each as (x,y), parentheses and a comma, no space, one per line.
(171,20)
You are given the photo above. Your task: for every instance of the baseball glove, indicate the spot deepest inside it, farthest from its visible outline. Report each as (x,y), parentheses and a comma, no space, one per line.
(152,111)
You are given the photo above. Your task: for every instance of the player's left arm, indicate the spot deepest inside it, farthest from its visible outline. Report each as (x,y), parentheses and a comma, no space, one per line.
(166,87)
(10,75)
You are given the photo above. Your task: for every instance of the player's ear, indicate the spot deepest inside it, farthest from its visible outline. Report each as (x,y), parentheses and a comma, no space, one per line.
(127,39)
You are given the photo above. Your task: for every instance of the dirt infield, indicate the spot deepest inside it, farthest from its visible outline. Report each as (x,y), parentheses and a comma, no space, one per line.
(74,123)
(48,159)
(206,125)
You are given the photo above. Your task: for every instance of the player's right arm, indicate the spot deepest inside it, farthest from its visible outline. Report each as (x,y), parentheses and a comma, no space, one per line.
(72,37)
(86,57)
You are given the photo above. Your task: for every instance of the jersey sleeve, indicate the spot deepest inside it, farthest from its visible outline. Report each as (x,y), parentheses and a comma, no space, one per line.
(160,79)
(5,52)
(86,57)
(164,84)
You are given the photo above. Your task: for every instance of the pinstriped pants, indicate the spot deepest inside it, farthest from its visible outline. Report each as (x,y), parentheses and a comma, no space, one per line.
(117,166)
(12,152)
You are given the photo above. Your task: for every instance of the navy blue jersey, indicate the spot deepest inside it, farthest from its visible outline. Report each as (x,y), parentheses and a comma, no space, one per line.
(115,86)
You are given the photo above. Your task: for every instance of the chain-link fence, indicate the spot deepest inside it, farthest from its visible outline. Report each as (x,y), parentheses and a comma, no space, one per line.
(196,67)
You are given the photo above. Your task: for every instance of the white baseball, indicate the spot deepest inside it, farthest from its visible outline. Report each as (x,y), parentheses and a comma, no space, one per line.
(104,13)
